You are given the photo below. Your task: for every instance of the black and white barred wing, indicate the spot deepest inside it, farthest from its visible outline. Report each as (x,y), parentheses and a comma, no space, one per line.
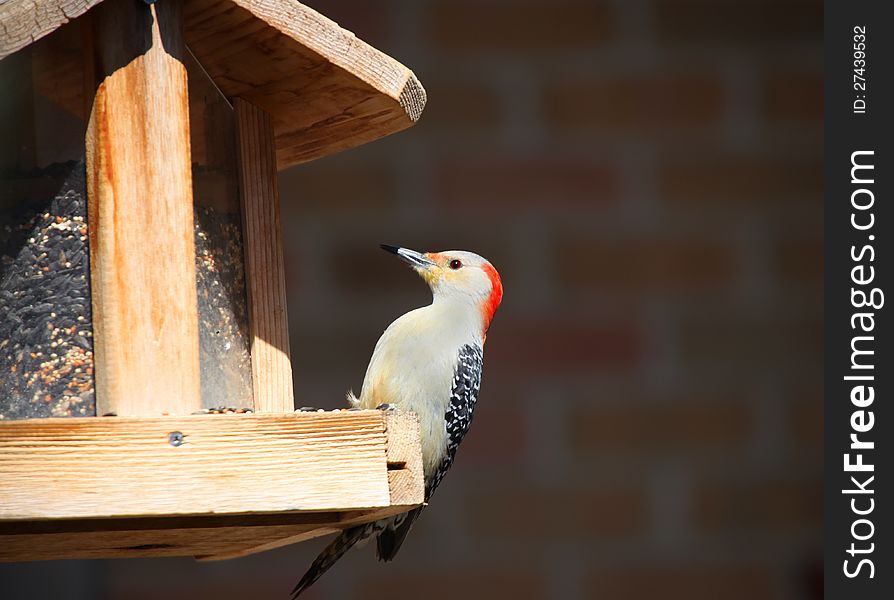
(463,396)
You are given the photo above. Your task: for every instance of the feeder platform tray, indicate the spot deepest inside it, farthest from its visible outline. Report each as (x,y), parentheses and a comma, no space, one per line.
(209,486)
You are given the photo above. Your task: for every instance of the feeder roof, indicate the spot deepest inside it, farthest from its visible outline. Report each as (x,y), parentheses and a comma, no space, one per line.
(325,89)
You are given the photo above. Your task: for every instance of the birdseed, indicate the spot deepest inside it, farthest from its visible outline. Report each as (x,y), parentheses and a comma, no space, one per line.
(224,346)
(46,332)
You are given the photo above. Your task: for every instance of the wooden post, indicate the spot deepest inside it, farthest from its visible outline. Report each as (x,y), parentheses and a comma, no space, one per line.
(139,184)
(264,271)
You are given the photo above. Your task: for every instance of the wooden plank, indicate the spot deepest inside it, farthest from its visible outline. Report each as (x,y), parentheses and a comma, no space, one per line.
(255,544)
(152,543)
(325,89)
(118,467)
(264,267)
(25,527)
(206,538)
(139,184)
(405,474)
(22,23)
(345,520)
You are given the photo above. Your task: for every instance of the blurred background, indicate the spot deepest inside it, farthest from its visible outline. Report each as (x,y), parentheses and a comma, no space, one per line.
(646,176)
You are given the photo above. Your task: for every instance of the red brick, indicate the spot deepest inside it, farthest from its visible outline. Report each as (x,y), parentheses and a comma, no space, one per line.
(645,262)
(793,95)
(359,266)
(810,577)
(498,185)
(805,421)
(336,186)
(461,105)
(561,345)
(367,20)
(522,26)
(500,433)
(733,341)
(367,269)
(475,581)
(774,506)
(546,514)
(645,429)
(800,261)
(752,22)
(637,103)
(724,180)
(201,586)
(322,348)
(684,581)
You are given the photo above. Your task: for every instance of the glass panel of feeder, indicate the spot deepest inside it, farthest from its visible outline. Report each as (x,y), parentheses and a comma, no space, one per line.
(224,334)
(46,332)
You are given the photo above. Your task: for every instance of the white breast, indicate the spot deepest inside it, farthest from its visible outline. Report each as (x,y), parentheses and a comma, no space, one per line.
(412,367)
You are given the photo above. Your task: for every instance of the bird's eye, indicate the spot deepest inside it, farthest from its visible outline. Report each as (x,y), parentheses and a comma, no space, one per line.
(456,264)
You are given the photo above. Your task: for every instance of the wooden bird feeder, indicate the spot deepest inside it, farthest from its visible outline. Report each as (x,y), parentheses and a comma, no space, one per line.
(141,279)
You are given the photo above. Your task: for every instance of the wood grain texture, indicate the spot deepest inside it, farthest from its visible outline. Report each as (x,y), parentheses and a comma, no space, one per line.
(225,537)
(264,267)
(127,467)
(238,484)
(139,184)
(325,89)
(405,474)
(25,21)
(339,521)
(227,542)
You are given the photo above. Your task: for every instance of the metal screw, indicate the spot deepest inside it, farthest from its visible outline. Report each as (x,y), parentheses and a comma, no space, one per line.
(175,438)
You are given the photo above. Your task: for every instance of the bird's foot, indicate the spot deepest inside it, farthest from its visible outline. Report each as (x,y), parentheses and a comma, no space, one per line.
(309,409)
(386,407)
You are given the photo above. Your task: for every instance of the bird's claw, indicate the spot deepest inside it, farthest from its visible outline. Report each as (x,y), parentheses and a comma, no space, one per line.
(386,407)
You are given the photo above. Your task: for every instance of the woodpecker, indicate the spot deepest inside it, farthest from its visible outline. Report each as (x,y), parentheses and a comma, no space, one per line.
(429,362)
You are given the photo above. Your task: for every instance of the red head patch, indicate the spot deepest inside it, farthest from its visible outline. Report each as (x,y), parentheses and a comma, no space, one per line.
(496,295)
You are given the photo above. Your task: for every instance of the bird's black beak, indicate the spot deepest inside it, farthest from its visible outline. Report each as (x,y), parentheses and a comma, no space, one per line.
(415,259)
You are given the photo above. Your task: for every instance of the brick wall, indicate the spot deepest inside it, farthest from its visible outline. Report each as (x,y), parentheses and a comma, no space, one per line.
(646,175)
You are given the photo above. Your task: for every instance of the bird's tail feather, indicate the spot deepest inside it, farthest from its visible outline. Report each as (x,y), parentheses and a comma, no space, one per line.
(330,555)
(393,535)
